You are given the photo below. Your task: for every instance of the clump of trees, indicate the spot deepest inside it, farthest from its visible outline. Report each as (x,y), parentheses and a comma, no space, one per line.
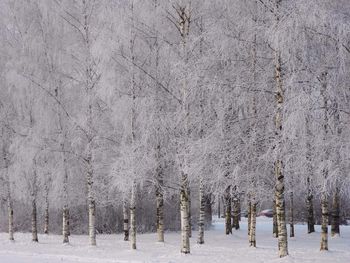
(113,113)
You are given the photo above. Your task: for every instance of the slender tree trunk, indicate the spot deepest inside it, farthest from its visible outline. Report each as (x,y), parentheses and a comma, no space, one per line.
(65,209)
(228,227)
(279,176)
(201,218)
(309,198)
(239,210)
(160,209)
(184,13)
(125,220)
(10,218)
(46,216)
(291,215)
(219,208)
(275,226)
(46,220)
(9,198)
(249,216)
(252,231)
(133,216)
(92,206)
(324,227)
(335,230)
(90,82)
(235,213)
(280,209)
(65,224)
(34,196)
(189,211)
(159,109)
(310,210)
(34,222)
(65,212)
(208,210)
(185,222)
(324,195)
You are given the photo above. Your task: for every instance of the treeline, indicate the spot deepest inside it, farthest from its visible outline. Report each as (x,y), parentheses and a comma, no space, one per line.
(142,115)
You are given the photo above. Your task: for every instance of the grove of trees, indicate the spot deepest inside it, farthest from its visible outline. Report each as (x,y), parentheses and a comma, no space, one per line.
(150,115)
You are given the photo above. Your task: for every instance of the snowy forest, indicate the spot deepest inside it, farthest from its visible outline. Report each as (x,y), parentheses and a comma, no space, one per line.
(156,116)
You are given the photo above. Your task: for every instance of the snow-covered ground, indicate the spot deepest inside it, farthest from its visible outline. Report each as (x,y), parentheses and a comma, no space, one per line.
(217,248)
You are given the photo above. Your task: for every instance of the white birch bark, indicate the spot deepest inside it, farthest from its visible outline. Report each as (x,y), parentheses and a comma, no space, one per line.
(335,229)
(160,207)
(189,211)
(184,13)
(159,111)
(252,231)
(309,197)
(335,222)
(133,216)
(291,215)
(249,216)
(235,210)
(46,215)
(125,220)
(34,209)
(228,226)
(133,130)
(10,218)
(8,195)
(324,194)
(201,213)
(279,176)
(324,226)
(91,205)
(90,81)
(185,226)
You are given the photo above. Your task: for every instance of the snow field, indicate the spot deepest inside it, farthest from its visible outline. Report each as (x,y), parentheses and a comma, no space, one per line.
(218,247)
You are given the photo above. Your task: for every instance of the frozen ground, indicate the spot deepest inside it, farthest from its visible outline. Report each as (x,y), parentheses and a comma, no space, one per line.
(218,248)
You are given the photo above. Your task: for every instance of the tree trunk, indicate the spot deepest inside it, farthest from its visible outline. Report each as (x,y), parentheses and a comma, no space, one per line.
(9,201)
(310,211)
(46,216)
(291,215)
(274,226)
(309,198)
(235,218)
(8,189)
(185,222)
(280,210)
(202,203)
(228,227)
(335,230)
(34,222)
(92,206)
(65,224)
(133,216)
(189,211)
(239,210)
(184,13)
(10,218)
(249,217)
(125,220)
(208,210)
(219,208)
(324,227)
(279,176)
(324,196)
(160,210)
(252,231)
